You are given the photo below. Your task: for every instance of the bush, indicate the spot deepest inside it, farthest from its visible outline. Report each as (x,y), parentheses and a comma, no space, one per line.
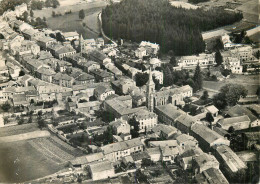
(6,107)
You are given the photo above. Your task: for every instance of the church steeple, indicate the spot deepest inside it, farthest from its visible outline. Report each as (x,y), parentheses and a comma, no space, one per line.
(81,44)
(150,87)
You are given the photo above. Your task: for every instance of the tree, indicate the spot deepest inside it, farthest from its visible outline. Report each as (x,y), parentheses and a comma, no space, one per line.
(258,91)
(25,16)
(60,37)
(209,117)
(41,122)
(6,107)
(55,3)
(141,79)
(20,121)
(21,73)
(173,61)
(205,95)
(39,113)
(30,119)
(257,54)
(6,120)
(31,13)
(226,72)
(53,14)
(81,14)
(190,82)
(167,76)
(231,130)
(197,78)
(229,95)
(134,127)
(233,92)
(219,100)
(218,58)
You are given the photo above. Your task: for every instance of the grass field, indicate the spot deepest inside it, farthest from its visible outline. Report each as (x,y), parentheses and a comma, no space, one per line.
(20,162)
(71,22)
(74,6)
(251,83)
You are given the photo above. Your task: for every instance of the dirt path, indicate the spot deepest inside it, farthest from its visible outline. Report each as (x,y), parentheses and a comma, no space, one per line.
(25,136)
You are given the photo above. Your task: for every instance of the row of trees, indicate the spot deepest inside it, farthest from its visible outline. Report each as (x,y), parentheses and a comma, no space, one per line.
(38,5)
(197,1)
(181,78)
(173,28)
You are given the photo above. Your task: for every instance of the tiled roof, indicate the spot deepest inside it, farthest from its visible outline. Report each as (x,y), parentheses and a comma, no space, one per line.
(120,146)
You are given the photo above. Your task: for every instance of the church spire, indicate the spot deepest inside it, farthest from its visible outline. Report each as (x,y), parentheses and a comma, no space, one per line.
(150,81)
(81,44)
(150,86)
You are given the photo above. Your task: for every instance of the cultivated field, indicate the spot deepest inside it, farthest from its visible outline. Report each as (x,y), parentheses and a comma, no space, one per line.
(27,159)
(19,129)
(25,136)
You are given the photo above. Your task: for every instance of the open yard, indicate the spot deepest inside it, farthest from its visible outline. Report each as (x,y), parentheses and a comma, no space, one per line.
(20,162)
(251,83)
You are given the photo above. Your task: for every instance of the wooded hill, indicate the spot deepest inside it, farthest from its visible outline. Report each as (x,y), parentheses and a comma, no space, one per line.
(157,21)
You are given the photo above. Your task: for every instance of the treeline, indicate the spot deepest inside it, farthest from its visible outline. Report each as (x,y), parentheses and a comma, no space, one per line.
(38,5)
(173,28)
(197,1)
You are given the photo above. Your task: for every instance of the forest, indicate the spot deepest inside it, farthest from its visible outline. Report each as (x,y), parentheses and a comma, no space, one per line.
(156,21)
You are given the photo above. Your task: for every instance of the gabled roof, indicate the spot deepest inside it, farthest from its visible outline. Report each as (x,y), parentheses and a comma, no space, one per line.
(84,76)
(170,110)
(186,120)
(166,151)
(102,89)
(61,76)
(120,146)
(205,133)
(46,71)
(70,34)
(233,120)
(167,129)
(144,114)
(168,143)
(97,167)
(211,176)
(204,159)
(212,109)
(230,157)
